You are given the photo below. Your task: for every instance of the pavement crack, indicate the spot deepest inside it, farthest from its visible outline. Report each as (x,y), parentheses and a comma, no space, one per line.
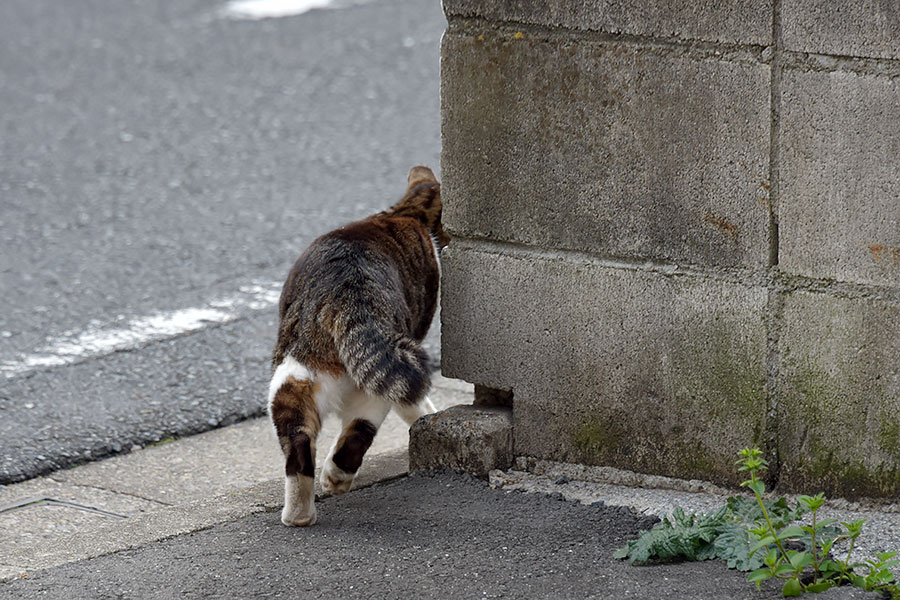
(111,491)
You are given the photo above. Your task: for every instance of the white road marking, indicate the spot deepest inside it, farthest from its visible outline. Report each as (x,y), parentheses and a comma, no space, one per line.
(263,9)
(100,341)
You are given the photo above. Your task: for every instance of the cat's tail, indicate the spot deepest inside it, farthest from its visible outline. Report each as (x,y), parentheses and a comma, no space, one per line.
(383,363)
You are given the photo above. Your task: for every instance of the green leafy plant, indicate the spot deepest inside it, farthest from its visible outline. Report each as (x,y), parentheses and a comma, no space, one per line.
(879,576)
(689,536)
(735,544)
(789,565)
(722,534)
(759,535)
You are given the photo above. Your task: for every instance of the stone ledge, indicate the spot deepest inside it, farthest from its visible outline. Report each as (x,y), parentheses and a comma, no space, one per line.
(729,21)
(462,438)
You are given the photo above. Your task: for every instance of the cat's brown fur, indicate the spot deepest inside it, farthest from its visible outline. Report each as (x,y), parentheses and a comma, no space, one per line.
(353,311)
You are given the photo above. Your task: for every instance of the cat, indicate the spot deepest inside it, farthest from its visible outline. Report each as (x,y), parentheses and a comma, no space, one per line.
(353,311)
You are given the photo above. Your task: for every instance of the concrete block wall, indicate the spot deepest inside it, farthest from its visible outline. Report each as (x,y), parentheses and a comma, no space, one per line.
(676,232)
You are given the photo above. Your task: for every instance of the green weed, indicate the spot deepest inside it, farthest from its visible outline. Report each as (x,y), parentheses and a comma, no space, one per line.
(760,536)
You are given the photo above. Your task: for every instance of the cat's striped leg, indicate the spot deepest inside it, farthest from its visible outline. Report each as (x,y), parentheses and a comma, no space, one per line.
(361,417)
(294,413)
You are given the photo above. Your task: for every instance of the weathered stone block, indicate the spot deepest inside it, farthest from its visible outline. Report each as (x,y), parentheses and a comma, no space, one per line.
(839,396)
(732,21)
(866,28)
(462,438)
(617,149)
(840,178)
(628,368)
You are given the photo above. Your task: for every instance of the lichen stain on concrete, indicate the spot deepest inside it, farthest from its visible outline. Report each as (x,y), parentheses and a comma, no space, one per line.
(765,201)
(881,253)
(722,224)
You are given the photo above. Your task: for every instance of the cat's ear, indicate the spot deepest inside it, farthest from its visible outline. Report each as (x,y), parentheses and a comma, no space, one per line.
(420,174)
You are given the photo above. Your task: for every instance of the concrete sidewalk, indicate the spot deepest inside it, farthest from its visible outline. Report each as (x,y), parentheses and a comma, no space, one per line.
(424,536)
(427,535)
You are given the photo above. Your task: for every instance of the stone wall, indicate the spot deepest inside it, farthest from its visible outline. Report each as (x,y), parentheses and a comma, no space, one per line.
(677,231)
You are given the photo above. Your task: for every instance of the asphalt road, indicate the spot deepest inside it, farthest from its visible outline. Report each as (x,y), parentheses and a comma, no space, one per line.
(443,536)
(160,163)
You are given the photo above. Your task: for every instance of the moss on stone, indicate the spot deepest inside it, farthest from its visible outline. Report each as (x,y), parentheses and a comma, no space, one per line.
(714,364)
(712,401)
(596,438)
(814,393)
(827,428)
(851,479)
(604,442)
(889,437)
(693,462)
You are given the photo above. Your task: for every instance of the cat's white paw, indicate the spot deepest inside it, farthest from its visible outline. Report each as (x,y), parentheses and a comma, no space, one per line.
(335,480)
(299,501)
(298,517)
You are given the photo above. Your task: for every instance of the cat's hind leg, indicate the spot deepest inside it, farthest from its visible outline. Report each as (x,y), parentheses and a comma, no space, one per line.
(295,415)
(410,412)
(361,416)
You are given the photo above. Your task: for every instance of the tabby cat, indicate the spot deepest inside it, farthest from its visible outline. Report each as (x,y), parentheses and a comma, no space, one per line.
(353,312)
